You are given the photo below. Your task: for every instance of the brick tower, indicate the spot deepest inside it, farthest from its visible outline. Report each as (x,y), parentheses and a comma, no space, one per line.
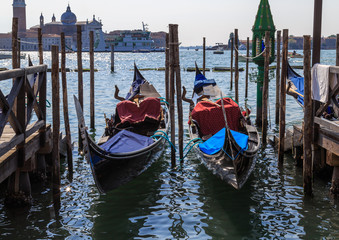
(19,11)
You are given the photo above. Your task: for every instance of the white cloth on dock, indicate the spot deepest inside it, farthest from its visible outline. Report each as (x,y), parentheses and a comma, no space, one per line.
(322,82)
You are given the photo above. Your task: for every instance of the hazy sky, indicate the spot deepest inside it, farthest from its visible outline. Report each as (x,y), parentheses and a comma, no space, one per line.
(213,19)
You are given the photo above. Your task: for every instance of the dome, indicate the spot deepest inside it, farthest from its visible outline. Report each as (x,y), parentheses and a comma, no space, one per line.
(68,17)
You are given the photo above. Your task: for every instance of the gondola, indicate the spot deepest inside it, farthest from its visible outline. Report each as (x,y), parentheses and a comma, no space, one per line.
(134,136)
(224,140)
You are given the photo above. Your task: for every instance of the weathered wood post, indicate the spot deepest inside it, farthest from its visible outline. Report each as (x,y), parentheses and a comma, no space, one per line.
(231,83)
(167,83)
(112,58)
(335,176)
(247,61)
(318,5)
(19,52)
(308,119)
(65,106)
(204,55)
(282,111)
(265,86)
(80,79)
(56,126)
(91,63)
(41,55)
(172,91)
(178,90)
(277,82)
(15,43)
(236,63)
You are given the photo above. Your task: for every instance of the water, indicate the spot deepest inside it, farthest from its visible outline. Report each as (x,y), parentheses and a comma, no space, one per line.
(188,203)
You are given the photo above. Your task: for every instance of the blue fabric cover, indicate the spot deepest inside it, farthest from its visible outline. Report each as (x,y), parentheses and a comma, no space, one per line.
(200,81)
(126,141)
(215,143)
(299,84)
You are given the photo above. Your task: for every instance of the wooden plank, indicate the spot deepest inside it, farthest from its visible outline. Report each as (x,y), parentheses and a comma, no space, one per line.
(334,69)
(325,140)
(333,126)
(12,73)
(332,159)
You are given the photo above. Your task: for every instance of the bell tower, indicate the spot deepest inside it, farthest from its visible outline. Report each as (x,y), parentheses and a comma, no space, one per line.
(19,11)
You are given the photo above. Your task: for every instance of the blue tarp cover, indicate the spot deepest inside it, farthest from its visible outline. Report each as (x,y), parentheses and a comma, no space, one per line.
(299,84)
(200,81)
(126,141)
(215,143)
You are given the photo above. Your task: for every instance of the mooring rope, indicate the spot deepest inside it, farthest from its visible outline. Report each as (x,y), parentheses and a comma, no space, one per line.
(199,141)
(250,58)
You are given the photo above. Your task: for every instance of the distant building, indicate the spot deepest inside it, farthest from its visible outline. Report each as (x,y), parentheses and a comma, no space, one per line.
(19,11)
(52,30)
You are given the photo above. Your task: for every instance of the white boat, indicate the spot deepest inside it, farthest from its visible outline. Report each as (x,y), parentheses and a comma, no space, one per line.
(134,41)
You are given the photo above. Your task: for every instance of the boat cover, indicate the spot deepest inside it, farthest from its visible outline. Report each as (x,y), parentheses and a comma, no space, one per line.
(210,119)
(298,82)
(201,81)
(215,143)
(126,141)
(129,111)
(138,80)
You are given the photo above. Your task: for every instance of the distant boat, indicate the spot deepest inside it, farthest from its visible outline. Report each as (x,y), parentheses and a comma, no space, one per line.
(134,41)
(219,51)
(294,54)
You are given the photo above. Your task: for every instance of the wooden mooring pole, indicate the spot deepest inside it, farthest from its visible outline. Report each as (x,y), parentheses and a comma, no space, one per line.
(112,58)
(172,92)
(277,81)
(231,83)
(167,84)
(15,43)
(308,120)
(236,63)
(80,79)
(19,53)
(282,110)
(247,61)
(41,55)
(318,4)
(178,91)
(265,87)
(56,126)
(91,64)
(335,176)
(203,55)
(65,106)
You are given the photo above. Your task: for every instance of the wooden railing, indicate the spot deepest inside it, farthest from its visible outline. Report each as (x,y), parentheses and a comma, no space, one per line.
(28,93)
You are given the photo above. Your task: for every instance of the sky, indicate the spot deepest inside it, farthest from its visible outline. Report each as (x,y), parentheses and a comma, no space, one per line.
(214,19)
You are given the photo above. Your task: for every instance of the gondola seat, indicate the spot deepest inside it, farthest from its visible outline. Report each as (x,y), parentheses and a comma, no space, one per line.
(209,116)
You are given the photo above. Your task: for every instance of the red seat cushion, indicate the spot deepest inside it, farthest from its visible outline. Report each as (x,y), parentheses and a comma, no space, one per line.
(129,111)
(210,117)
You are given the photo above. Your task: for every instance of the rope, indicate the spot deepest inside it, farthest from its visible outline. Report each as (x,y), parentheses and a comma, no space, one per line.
(166,138)
(33,43)
(251,58)
(199,141)
(232,157)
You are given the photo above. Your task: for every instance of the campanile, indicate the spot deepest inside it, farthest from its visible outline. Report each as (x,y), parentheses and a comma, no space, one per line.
(19,11)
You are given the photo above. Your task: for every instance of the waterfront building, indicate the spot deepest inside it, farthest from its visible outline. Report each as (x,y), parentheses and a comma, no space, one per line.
(51,31)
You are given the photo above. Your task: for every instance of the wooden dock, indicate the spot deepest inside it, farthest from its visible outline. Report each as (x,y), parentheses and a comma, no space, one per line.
(24,143)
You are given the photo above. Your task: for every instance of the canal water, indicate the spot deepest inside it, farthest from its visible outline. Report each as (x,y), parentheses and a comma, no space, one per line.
(186,203)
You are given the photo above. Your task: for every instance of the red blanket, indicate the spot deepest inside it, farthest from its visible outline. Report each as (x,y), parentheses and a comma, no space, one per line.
(210,117)
(129,111)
